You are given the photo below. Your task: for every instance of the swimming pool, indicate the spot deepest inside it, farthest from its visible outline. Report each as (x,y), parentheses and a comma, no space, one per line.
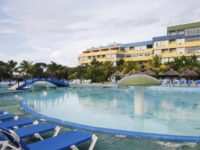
(174,111)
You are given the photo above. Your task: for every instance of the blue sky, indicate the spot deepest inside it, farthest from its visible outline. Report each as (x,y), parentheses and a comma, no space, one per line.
(58,30)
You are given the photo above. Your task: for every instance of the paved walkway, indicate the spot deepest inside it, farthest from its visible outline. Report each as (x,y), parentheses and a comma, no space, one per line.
(106,141)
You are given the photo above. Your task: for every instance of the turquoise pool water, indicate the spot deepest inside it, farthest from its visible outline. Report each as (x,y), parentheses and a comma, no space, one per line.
(173,111)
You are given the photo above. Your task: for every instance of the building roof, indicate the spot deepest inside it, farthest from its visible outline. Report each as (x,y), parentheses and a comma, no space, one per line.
(169,37)
(183,26)
(123,45)
(137,44)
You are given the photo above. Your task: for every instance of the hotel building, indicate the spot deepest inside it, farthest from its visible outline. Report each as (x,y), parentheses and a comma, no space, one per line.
(180,40)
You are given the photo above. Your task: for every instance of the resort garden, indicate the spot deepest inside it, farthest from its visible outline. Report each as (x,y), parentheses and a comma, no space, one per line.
(96,71)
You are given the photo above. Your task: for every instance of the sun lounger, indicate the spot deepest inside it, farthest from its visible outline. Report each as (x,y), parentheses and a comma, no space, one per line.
(168,83)
(176,83)
(36,130)
(182,82)
(8,117)
(190,83)
(18,123)
(62,141)
(3,112)
(30,131)
(197,83)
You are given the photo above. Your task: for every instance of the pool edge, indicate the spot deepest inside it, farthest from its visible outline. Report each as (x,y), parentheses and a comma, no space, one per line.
(112,131)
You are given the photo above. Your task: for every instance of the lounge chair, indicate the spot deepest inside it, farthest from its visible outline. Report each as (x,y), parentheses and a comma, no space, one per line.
(29,131)
(168,83)
(190,83)
(18,123)
(60,142)
(176,83)
(182,82)
(8,117)
(197,83)
(3,112)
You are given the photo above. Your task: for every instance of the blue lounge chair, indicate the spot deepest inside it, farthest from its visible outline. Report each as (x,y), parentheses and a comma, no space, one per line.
(60,142)
(168,82)
(18,123)
(8,117)
(197,83)
(182,82)
(3,112)
(29,131)
(176,83)
(190,83)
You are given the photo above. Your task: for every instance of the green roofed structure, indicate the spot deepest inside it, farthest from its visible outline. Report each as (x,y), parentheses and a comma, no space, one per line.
(183,26)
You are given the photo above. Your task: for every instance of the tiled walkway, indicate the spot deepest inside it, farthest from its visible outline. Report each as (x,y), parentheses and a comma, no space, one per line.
(107,141)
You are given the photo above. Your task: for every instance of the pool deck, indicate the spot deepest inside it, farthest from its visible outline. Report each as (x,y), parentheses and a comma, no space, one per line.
(105,141)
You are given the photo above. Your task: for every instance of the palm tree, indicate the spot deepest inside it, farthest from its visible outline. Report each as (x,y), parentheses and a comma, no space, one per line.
(130,67)
(39,68)
(11,66)
(27,67)
(154,63)
(53,69)
(108,68)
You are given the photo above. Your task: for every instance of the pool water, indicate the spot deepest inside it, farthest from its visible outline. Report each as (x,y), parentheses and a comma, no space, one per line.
(175,112)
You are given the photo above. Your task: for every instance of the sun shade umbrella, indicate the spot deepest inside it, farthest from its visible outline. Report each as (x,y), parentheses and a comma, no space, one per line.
(171,73)
(189,73)
(139,81)
(117,74)
(149,72)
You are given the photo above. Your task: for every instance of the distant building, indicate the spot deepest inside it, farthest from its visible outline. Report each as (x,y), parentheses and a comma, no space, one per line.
(180,40)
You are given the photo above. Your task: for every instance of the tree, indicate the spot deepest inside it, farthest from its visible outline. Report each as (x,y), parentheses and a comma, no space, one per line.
(11,66)
(95,62)
(53,69)
(27,67)
(154,63)
(3,72)
(39,68)
(108,69)
(130,67)
(120,62)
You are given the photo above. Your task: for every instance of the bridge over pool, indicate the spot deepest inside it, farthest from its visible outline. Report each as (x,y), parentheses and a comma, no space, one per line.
(59,83)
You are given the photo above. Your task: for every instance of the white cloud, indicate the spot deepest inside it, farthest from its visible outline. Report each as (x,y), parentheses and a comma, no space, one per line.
(58,30)
(41,49)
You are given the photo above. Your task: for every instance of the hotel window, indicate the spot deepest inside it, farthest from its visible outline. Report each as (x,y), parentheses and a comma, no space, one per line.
(164,60)
(192,31)
(133,55)
(107,56)
(156,52)
(180,50)
(80,58)
(172,33)
(171,59)
(180,41)
(192,50)
(172,41)
(193,39)
(85,58)
(137,49)
(113,55)
(126,49)
(180,32)
(156,44)
(164,43)
(143,48)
